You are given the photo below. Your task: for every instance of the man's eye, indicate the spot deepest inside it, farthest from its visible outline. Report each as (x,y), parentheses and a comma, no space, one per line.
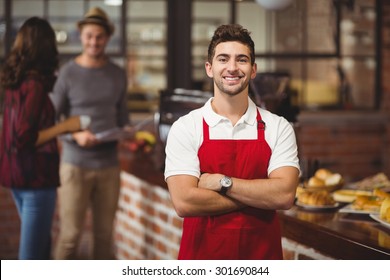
(222,59)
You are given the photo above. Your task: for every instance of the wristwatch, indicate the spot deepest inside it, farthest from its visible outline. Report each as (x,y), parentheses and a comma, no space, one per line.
(226,183)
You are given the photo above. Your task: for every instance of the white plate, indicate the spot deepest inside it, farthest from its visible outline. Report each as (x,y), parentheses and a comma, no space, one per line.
(376,218)
(317,207)
(348,209)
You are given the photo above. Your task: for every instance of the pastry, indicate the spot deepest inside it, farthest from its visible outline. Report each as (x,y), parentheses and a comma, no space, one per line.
(380,193)
(334,179)
(349,196)
(376,181)
(300,189)
(315,182)
(316,198)
(368,203)
(384,212)
(322,174)
(324,178)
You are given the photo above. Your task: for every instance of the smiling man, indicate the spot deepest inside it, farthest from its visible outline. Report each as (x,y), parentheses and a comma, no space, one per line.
(90,85)
(230,165)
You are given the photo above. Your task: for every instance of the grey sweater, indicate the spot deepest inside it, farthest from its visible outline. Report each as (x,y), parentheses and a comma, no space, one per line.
(99,93)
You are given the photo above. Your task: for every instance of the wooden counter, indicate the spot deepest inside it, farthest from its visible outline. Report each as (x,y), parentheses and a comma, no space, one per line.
(148,167)
(339,235)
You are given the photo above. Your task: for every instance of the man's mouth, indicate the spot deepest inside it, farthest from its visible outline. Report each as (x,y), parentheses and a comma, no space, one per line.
(236,78)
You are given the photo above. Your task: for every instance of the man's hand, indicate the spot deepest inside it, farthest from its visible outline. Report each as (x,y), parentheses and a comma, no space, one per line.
(85,138)
(210,181)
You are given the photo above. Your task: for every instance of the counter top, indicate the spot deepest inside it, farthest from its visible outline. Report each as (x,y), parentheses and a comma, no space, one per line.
(339,235)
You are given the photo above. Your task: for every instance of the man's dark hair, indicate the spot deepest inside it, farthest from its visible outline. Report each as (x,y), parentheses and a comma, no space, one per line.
(229,33)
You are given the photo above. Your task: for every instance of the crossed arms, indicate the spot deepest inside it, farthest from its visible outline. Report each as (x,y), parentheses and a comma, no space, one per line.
(198,197)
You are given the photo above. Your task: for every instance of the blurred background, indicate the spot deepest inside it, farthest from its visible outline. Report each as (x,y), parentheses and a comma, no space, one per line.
(327,48)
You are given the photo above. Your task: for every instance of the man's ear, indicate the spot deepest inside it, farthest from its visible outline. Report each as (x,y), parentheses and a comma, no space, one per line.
(208,68)
(254,71)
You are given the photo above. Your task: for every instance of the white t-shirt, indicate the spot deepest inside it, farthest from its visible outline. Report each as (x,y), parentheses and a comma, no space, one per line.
(186,136)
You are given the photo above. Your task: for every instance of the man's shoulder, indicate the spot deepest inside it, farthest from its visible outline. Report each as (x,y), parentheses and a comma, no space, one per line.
(68,66)
(113,65)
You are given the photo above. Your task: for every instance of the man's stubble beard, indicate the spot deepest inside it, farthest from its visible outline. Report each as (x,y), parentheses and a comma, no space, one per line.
(231,92)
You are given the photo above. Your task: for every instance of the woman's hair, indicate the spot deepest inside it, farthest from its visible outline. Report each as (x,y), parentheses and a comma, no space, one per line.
(34,50)
(228,33)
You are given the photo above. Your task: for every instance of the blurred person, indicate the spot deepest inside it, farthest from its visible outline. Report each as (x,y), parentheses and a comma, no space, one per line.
(93,85)
(29,156)
(230,164)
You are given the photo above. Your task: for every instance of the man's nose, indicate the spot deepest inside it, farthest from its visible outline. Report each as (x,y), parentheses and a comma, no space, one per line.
(232,65)
(94,40)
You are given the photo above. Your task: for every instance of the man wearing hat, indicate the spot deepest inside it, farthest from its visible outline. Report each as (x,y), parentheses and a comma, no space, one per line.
(90,85)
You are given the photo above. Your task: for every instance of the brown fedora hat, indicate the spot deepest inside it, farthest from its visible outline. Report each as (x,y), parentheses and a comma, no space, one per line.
(97,16)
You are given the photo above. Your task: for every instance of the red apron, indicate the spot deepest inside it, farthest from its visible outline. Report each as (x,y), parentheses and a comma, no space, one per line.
(249,233)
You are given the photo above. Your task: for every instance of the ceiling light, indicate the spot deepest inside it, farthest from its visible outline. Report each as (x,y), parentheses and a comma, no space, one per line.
(113,2)
(274,4)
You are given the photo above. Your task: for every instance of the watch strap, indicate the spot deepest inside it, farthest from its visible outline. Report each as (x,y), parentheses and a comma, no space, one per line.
(223,190)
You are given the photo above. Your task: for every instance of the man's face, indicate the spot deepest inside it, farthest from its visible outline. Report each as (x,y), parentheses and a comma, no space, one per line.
(94,39)
(231,68)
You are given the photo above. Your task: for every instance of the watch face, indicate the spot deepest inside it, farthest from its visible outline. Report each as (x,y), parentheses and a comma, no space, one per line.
(226,182)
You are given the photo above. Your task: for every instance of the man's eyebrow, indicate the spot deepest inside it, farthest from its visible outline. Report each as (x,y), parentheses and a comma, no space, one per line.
(222,54)
(228,55)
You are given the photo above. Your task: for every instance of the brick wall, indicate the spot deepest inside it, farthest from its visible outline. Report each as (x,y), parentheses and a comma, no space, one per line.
(351,143)
(147,226)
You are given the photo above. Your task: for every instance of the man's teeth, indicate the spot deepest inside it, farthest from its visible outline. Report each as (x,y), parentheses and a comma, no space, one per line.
(232,78)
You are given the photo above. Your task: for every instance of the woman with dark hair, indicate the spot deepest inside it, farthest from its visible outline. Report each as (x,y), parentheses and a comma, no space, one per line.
(29,157)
